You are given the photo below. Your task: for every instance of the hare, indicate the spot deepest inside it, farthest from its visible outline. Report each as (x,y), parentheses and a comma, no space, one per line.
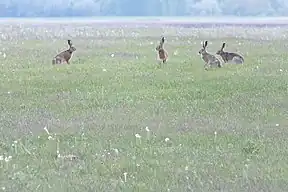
(209,59)
(64,56)
(162,53)
(226,56)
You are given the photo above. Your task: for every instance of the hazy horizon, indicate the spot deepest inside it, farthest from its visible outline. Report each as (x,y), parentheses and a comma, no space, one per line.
(148,8)
(154,21)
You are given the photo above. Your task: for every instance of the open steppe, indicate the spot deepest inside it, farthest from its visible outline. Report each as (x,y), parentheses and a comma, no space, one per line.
(121,122)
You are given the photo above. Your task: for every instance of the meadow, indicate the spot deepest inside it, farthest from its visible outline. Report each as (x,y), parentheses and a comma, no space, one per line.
(116,120)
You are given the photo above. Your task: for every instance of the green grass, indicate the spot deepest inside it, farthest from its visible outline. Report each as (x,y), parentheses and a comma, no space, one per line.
(218,130)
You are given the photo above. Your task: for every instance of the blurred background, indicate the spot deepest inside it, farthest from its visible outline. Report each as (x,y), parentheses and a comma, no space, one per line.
(65,8)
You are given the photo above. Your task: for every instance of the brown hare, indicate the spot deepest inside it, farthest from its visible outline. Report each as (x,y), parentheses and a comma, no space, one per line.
(209,59)
(226,56)
(64,56)
(162,53)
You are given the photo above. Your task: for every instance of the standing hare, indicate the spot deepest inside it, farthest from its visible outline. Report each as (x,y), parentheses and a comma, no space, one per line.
(162,53)
(64,56)
(209,59)
(226,56)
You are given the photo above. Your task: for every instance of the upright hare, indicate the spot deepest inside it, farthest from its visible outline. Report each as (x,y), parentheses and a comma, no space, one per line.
(64,56)
(162,53)
(209,59)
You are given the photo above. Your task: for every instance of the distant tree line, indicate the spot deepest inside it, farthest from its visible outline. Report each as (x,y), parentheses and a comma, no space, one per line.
(64,8)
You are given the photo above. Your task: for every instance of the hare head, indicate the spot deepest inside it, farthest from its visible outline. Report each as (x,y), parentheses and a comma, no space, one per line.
(203,50)
(160,46)
(71,47)
(220,51)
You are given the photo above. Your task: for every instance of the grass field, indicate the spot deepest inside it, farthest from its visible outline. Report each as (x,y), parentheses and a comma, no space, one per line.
(122,123)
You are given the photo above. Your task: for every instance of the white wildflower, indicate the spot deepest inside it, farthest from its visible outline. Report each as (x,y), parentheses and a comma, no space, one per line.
(186,168)
(125,177)
(7,159)
(147,129)
(104,70)
(112,55)
(45,129)
(175,52)
(137,136)
(277,125)
(167,139)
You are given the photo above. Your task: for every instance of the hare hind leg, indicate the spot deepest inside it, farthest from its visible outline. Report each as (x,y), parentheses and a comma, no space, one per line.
(219,64)
(237,60)
(56,61)
(207,66)
(216,63)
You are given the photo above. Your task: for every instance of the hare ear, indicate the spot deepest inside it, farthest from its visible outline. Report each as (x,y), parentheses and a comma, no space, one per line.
(223,45)
(205,44)
(162,40)
(69,43)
